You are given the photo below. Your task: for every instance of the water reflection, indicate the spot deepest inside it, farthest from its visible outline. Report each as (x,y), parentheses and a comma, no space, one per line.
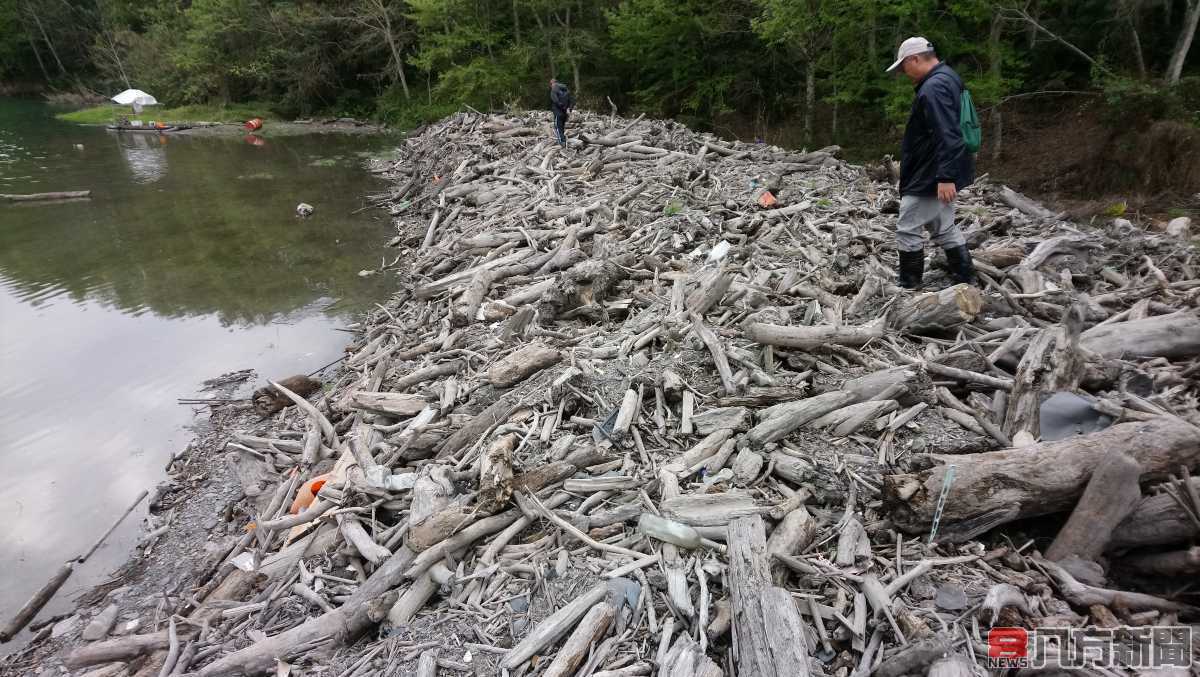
(215,234)
(144,153)
(187,262)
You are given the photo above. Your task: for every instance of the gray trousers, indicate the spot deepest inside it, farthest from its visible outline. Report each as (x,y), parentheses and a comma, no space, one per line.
(918,213)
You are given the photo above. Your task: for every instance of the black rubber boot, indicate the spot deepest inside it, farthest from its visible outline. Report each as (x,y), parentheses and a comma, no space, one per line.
(912,269)
(962,270)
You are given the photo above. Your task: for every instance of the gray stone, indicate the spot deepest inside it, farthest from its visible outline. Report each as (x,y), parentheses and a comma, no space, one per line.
(102,624)
(1065,415)
(1085,571)
(1179,227)
(110,670)
(951,598)
(66,626)
(519,604)
(746,466)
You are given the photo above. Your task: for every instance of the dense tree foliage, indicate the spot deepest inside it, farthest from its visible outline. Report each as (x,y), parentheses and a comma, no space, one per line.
(818,63)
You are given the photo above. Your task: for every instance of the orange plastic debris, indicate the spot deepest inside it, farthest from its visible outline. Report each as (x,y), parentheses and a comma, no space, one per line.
(766,200)
(308,493)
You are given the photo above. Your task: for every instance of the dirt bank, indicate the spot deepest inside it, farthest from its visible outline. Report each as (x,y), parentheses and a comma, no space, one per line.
(1074,153)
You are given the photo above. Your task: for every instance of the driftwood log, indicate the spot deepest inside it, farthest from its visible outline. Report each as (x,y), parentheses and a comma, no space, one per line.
(1173,336)
(997,487)
(38,197)
(1156,520)
(1111,494)
(770,633)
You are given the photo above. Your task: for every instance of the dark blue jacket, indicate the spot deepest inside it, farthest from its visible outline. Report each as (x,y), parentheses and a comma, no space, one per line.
(933,151)
(560,99)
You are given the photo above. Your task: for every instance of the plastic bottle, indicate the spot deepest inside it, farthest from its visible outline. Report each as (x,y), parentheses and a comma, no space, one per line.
(668,530)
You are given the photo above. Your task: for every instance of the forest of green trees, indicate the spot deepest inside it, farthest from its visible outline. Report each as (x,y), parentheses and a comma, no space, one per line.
(816,64)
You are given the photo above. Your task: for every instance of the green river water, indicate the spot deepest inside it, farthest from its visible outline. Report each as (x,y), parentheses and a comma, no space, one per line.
(188,262)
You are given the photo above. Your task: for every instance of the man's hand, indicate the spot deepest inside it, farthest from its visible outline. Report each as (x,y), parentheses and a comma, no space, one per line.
(946,192)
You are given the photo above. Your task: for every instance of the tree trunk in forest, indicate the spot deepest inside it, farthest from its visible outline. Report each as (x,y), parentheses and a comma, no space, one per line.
(871,28)
(1179,56)
(37,53)
(390,36)
(516,23)
(996,56)
(810,95)
(549,46)
(1130,11)
(46,38)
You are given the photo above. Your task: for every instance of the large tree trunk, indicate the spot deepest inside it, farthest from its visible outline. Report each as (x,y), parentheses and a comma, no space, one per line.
(1174,336)
(1184,43)
(1111,494)
(1001,486)
(1155,520)
(1051,363)
(770,634)
(938,311)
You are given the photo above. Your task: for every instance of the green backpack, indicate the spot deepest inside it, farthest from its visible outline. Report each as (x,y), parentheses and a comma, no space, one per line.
(968,122)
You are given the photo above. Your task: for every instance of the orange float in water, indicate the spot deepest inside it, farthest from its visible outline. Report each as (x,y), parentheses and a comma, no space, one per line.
(308,493)
(254,124)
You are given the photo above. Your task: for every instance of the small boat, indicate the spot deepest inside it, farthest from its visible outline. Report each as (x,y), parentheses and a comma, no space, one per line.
(147,129)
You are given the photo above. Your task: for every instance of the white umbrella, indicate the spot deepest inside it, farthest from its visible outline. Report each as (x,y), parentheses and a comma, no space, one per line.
(132,97)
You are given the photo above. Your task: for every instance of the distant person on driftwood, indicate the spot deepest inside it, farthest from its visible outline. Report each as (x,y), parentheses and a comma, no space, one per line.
(561,102)
(935,163)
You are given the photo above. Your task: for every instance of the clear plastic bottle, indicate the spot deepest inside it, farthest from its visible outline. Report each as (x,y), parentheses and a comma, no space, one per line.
(668,530)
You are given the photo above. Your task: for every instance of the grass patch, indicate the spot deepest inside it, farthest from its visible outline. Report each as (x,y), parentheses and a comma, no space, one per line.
(237,112)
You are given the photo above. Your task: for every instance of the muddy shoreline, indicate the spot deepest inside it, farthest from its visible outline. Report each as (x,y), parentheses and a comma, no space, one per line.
(191,521)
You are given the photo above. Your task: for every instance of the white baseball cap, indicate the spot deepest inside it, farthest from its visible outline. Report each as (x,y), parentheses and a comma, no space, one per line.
(908,48)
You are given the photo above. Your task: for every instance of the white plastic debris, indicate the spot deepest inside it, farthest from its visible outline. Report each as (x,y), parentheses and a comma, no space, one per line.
(304,209)
(718,252)
(400,482)
(244,561)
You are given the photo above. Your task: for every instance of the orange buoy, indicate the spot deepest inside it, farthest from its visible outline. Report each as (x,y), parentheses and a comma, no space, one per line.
(254,124)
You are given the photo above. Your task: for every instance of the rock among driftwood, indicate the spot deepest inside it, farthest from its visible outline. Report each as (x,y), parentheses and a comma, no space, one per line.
(269,400)
(1179,227)
(101,624)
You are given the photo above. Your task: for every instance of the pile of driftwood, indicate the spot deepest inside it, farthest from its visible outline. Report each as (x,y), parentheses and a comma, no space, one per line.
(620,419)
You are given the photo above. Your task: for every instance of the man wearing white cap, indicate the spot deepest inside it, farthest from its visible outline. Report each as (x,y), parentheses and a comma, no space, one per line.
(934,165)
